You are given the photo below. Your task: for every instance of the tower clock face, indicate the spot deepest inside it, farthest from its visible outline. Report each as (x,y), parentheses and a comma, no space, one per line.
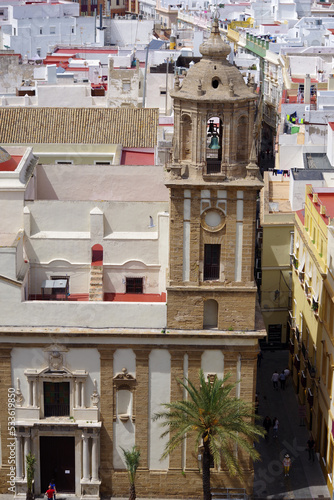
(213,220)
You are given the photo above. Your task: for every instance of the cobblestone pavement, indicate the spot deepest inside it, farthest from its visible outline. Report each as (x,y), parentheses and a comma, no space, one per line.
(306,480)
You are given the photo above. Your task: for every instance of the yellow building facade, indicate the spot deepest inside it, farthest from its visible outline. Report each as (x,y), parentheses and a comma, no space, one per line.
(311,318)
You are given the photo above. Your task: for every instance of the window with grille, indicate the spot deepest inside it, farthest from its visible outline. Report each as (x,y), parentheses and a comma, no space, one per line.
(211,262)
(134,285)
(56,399)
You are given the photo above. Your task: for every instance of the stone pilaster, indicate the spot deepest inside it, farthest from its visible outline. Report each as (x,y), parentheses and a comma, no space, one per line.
(194,366)
(231,366)
(107,412)
(176,394)
(141,410)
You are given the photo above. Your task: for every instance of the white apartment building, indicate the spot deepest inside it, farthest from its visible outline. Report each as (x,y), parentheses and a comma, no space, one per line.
(33,30)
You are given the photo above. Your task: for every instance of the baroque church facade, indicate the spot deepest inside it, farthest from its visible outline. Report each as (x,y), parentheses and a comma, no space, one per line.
(88,375)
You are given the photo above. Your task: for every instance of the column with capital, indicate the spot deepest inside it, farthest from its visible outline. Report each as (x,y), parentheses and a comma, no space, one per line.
(26,447)
(141,405)
(34,393)
(30,392)
(85,458)
(18,449)
(82,387)
(95,456)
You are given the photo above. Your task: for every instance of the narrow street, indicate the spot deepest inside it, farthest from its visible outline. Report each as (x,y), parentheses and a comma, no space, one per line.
(306,480)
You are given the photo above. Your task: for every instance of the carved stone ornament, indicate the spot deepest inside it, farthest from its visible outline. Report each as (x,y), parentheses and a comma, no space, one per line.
(55,361)
(18,394)
(95,396)
(212,377)
(124,375)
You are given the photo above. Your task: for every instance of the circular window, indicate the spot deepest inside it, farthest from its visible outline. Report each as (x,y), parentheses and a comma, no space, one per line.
(215,83)
(213,219)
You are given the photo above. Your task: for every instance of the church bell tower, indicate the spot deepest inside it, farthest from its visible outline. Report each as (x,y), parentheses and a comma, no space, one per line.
(214,183)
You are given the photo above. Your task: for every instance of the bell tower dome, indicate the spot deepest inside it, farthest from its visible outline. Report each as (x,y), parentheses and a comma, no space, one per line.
(214,183)
(214,116)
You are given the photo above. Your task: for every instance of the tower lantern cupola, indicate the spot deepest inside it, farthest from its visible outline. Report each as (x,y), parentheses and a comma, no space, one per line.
(214,116)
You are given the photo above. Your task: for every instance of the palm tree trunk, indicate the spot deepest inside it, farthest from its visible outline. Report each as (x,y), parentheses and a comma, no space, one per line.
(206,471)
(132,492)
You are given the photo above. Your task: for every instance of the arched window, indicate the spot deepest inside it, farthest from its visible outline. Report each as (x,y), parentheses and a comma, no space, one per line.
(97,255)
(210,316)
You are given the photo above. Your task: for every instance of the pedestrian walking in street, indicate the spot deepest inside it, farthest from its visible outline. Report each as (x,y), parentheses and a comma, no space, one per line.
(311,448)
(275,427)
(286,464)
(259,358)
(282,379)
(257,404)
(267,424)
(275,379)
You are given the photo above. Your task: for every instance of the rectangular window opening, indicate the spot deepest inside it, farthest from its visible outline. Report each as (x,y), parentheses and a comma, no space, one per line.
(211,262)
(134,285)
(56,399)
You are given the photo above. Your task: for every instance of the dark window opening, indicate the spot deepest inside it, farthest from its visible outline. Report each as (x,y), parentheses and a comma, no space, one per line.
(134,285)
(56,399)
(215,83)
(211,262)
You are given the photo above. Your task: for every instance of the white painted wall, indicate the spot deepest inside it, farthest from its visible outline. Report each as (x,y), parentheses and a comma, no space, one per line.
(124,432)
(159,392)
(330,144)
(80,314)
(213,362)
(101,182)
(11,204)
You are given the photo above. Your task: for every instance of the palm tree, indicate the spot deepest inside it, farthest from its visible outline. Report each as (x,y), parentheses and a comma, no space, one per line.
(221,422)
(30,461)
(132,458)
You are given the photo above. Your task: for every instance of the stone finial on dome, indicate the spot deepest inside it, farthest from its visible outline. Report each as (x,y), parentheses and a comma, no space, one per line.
(215,47)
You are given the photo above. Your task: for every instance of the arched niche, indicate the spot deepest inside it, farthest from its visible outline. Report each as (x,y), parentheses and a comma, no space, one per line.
(242,139)
(210,314)
(186,137)
(97,255)
(124,396)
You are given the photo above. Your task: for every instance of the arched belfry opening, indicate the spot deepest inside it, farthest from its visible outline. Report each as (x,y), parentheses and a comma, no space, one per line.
(214,144)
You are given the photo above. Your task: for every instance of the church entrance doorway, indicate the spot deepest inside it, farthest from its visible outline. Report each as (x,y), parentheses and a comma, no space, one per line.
(57,463)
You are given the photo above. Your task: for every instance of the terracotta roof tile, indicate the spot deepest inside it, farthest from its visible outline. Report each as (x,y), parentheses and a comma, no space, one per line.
(131,127)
